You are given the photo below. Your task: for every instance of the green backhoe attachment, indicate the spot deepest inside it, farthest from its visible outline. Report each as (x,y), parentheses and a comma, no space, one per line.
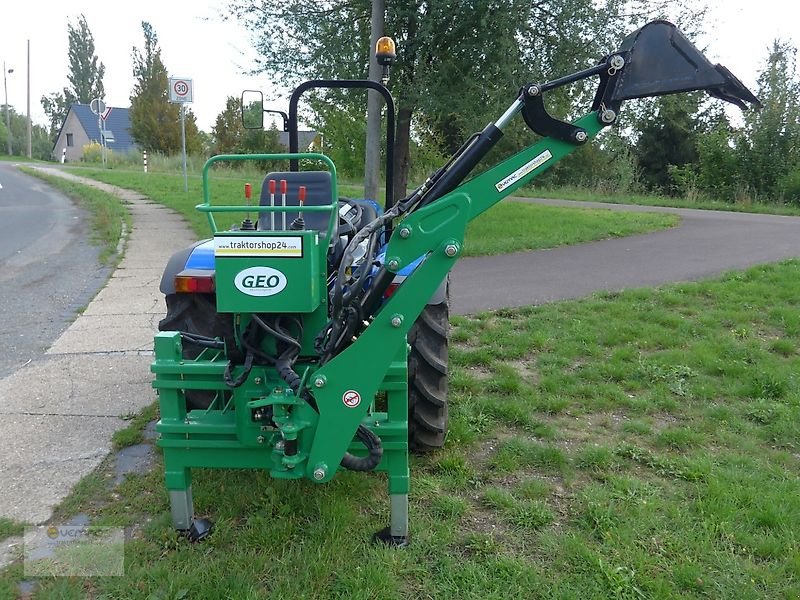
(306,367)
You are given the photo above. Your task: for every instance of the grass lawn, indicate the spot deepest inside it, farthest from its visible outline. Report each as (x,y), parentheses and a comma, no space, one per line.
(22,159)
(107,213)
(577,193)
(9,528)
(643,444)
(509,227)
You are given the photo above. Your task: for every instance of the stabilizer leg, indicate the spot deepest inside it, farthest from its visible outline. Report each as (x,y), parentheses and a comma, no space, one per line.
(181,505)
(397,457)
(399,515)
(397,533)
(182,508)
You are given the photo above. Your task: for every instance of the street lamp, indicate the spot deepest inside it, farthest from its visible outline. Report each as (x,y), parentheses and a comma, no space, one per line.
(8,112)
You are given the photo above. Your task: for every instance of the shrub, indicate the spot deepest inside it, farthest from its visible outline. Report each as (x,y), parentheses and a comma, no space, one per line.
(93,153)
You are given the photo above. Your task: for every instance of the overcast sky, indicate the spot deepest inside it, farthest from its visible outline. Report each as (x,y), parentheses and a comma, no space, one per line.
(215,54)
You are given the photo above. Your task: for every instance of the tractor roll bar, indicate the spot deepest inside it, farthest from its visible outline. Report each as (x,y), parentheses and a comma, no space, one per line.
(347,84)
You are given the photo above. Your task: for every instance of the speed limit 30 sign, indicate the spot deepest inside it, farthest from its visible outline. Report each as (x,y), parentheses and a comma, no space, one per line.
(180,89)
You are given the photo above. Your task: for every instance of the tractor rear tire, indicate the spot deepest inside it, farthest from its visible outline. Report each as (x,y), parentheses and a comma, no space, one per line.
(196,313)
(427,378)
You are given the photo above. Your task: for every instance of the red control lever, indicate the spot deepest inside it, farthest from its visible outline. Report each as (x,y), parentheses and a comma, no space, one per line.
(284,188)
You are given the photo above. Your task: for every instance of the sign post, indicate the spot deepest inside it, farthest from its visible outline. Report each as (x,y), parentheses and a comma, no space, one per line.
(181,92)
(98,107)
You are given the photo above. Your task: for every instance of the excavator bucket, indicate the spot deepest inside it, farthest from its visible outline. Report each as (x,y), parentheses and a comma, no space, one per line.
(659,60)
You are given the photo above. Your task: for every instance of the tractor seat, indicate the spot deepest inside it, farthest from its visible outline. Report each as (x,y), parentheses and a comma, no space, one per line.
(318,193)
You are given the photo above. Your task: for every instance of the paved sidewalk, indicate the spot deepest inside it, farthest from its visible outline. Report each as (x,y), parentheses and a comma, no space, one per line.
(58,413)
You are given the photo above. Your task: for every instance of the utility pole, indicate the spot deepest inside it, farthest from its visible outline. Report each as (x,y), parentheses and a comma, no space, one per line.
(30,151)
(373,144)
(8,112)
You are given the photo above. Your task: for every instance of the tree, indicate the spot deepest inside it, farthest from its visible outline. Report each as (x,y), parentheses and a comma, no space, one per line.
(460,62)
(668,138)
(155,122)
(769,148)
(85,76)
(41,146)
(228,129)
(231,137)
(718,170)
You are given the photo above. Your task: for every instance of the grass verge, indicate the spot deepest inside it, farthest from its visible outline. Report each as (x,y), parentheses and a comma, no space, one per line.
(22,159)
(107,213)
(134,433)
(508,227)
(517,226)
(9,527)
(584,194)
(643,444)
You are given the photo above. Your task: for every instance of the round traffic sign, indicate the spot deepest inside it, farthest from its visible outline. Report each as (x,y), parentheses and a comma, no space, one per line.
(181,88)
(97,106)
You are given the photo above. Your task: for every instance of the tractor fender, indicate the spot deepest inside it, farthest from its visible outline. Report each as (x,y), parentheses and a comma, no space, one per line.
(175,265)
(440,295)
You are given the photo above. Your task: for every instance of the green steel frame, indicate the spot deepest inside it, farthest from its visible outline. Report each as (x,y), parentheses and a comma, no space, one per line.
(227,435)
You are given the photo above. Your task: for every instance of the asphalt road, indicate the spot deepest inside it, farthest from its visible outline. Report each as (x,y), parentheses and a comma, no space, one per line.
(705,244)
(48,270)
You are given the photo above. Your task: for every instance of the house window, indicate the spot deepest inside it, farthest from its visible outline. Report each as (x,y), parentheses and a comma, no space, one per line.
(69,140)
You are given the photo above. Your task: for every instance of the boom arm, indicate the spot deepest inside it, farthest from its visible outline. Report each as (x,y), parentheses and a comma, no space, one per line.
(654,60)
(435,231)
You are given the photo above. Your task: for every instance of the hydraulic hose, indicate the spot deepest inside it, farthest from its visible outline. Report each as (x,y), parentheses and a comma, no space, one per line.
(228,377)
(202,340)
(372,460)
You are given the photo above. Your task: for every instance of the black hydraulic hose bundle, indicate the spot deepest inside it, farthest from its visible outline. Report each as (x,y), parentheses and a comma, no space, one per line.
(285,368)
(202,340)
(289,348)
(253,348)
(228,376)
(372,460)
(215,344)
(351,309)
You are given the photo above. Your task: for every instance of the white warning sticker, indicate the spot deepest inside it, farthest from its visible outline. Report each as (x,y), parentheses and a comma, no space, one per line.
(284,246)
(523,170)
(351,398)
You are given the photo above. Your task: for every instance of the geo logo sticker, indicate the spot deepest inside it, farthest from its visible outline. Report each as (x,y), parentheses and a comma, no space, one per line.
(260,281)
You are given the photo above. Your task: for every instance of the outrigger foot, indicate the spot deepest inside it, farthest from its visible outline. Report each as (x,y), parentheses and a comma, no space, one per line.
(384,536)
(199,529)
